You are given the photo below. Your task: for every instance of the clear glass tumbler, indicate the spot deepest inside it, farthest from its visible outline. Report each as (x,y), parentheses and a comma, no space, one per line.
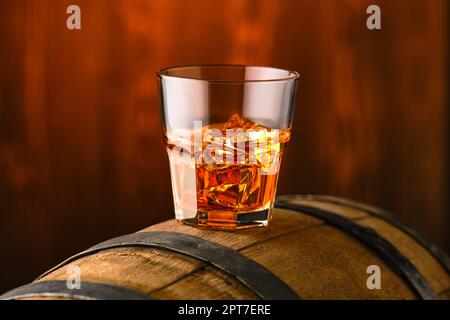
(225,128)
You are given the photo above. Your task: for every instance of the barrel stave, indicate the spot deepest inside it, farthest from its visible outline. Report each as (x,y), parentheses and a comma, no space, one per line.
(306,251)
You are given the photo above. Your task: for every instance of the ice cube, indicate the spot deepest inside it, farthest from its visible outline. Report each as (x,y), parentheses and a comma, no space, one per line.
(234,122)
(219,185)
(239,122)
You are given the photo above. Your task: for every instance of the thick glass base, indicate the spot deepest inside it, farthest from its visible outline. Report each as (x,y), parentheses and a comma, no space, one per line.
(229,220)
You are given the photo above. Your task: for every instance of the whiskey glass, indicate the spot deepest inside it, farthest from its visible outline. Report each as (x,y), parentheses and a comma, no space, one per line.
(225,129)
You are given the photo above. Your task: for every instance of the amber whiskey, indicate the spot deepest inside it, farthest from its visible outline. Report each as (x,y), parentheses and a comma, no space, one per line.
(225,175)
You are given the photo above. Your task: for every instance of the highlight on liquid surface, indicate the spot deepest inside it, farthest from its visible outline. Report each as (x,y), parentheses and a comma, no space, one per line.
(225,175)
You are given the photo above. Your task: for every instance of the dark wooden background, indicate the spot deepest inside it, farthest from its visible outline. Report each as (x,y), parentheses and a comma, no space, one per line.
(81,153)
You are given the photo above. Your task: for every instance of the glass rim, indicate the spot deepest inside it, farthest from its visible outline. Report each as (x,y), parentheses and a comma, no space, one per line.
(164,73)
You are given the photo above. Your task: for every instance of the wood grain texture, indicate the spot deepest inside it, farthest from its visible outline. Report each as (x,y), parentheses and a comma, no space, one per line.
(331,272)
(317,260)
(206,283)
(81,153)
(421,257)
(239,238)
(140,269)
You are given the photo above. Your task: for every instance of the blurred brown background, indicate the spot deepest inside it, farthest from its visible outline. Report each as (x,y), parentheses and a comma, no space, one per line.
(81,153)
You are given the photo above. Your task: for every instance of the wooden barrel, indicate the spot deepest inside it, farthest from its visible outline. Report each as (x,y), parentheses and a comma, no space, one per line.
(316,247)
